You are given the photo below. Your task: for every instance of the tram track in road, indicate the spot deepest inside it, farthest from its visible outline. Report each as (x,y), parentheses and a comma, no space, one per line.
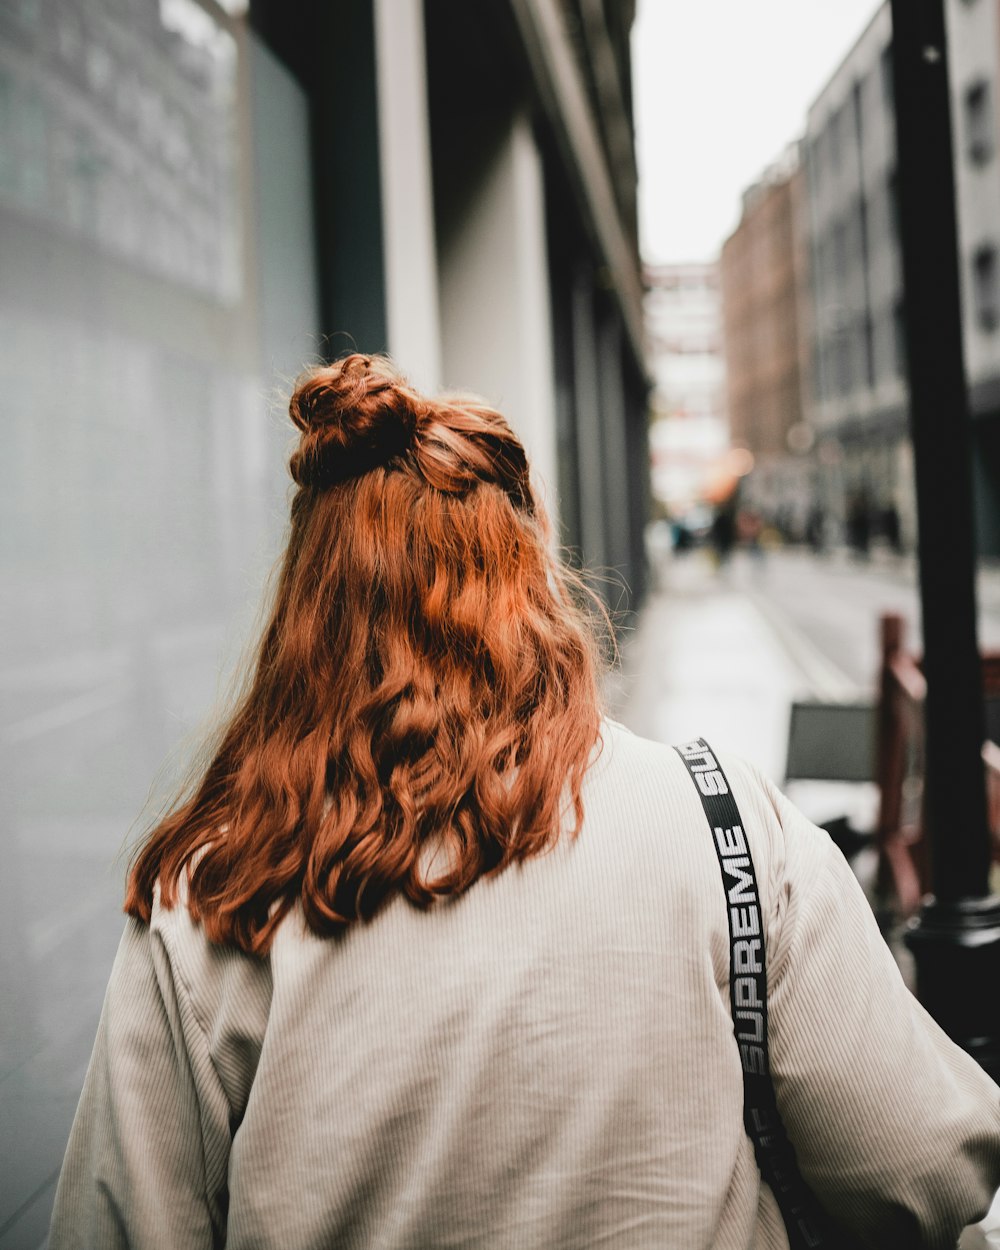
(823,678)
(826,613)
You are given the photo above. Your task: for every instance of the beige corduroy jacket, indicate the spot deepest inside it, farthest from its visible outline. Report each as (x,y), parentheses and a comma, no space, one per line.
(547,1062)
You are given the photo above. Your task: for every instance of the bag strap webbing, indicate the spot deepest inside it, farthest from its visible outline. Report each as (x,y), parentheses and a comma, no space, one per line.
(805,1221)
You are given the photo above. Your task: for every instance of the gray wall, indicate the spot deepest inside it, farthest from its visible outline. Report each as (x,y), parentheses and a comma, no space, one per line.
(156,294)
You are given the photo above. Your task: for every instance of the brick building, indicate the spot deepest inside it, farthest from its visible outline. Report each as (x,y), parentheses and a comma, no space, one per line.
(764,279)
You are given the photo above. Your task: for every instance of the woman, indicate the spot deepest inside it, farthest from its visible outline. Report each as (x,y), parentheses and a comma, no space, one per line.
(431,955)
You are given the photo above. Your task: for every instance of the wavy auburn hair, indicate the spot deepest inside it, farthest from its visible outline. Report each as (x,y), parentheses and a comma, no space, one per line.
(425,692)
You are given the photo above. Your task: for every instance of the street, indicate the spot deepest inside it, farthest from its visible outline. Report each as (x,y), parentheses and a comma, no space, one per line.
(725,651)
(834,603)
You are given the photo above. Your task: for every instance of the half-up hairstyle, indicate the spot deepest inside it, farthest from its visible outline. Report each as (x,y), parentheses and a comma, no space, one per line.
(423,704)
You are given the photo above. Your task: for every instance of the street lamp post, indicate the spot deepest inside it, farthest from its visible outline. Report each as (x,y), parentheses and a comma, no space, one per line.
(956,939)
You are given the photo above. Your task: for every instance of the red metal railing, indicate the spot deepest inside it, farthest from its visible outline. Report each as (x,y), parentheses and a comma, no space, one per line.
(904,857)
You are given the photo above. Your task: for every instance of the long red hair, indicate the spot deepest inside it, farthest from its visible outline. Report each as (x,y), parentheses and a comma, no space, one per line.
(427,680)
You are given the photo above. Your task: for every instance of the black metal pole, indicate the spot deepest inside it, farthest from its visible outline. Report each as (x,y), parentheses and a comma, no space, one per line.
(956,939)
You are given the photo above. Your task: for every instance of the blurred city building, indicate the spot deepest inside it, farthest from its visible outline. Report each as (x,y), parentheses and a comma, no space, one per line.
(859,349)
(688,427)
(766,306)
(860,408)
(974,64)
(197,198)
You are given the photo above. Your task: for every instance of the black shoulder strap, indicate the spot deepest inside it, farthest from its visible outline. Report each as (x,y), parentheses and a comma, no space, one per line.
(805,1221)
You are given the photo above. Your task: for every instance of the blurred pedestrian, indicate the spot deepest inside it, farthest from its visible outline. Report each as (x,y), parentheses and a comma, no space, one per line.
(816,529)
(891,528)
(859,524)
(432,955)
(683,539)
(750,530)
(723,532)
(659,548)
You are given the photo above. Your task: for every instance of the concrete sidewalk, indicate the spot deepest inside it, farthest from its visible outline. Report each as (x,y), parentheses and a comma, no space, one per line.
(704,661)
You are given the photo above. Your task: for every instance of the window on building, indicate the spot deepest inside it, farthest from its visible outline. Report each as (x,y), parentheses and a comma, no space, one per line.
(978,110)
(859,355)
(854,117)
(844,380)
(820,370)
(872,99)
(868,347)
(899,337)
(812,162)
(886,74)
(833,140)
(859,230)
(840,248)
(892,195)
(985,287)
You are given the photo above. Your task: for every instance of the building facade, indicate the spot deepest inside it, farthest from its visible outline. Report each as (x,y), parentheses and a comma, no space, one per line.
(858,349)
(974,64)
(858,343)
(197,199)
(688,429)
(765,301)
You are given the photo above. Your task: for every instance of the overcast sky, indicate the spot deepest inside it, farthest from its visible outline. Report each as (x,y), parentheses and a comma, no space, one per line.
(721,86)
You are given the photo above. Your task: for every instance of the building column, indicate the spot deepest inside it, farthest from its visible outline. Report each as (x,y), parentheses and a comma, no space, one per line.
(638,477)
(588,424)
(496,318)
(567,449)
(409,254)
(617,488)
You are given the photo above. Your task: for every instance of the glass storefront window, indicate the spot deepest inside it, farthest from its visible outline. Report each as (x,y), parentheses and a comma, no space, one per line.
(157,291)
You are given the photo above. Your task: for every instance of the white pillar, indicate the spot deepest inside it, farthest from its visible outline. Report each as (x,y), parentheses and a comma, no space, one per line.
(411,290)
(496,332)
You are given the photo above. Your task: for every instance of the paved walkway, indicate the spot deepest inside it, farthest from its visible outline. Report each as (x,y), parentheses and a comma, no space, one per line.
(704,661)
(711,657)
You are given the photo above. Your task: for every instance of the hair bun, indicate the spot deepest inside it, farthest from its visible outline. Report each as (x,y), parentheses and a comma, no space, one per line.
(354,415)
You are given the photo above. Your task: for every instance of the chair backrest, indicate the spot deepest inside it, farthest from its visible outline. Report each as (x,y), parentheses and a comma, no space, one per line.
(831,742)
